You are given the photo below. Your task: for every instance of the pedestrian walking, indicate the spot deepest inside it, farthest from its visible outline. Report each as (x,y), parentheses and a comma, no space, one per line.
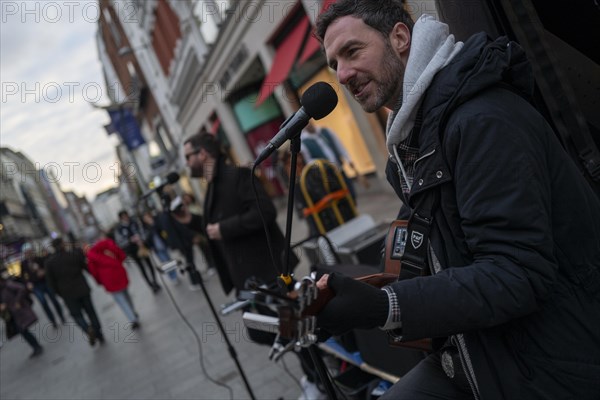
(128,236)
(33,275)
(16,311)
(191,218)
(155,242)
(105,263)
(64,273)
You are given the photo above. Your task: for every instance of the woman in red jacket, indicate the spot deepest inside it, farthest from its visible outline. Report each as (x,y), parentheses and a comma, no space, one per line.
(105,263)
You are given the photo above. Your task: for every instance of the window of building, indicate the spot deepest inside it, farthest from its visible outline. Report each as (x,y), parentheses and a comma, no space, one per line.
(113,28)
(164,137)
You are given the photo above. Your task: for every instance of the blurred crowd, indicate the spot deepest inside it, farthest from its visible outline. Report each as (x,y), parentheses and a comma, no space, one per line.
(54,275)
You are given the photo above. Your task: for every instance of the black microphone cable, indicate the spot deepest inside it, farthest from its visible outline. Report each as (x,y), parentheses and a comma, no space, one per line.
(196,337)
(188,323)
(296,381)
(262,216)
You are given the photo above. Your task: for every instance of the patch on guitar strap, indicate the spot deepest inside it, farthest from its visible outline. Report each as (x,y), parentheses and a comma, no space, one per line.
(414,259)
(395,245)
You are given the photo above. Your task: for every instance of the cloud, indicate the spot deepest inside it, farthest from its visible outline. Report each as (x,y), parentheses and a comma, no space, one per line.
(50,72)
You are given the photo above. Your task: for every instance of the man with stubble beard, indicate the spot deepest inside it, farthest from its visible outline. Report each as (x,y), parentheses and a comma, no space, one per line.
(236,235)
(506,224)
(232,221)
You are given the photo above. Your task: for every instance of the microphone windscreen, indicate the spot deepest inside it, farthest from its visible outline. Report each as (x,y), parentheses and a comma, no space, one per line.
(172,177)
(319,100)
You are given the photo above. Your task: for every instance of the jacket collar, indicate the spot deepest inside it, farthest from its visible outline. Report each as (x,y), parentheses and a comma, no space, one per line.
(430,169)
(481,64)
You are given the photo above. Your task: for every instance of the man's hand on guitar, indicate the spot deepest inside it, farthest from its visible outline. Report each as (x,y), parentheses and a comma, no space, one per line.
(355,305)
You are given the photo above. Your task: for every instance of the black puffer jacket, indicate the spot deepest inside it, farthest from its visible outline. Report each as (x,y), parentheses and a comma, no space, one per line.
(517,234)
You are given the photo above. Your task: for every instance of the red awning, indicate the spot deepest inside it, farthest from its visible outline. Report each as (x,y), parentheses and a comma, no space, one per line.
(311,46)
(284,60)
(326,4)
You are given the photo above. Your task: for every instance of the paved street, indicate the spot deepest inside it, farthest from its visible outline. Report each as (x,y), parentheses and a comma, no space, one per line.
(162,359)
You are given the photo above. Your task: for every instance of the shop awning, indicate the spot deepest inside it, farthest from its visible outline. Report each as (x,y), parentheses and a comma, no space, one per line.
(326,4)
(311,46)
(285,56)
(287,53)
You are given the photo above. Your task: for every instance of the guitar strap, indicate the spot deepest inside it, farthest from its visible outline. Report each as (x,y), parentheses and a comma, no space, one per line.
(414,259)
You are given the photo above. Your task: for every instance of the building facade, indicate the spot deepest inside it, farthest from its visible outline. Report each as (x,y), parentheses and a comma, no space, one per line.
(106,206)
(238,69)
(25,209)
(83,223)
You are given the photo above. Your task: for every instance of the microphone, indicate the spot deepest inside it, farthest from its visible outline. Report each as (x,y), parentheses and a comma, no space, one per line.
(171,178)
(317,102)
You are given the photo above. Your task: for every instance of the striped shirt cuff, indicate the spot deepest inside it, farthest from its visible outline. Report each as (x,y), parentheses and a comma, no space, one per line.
(393,319)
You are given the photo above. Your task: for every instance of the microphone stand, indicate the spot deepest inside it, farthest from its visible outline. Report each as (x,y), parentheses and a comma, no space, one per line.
(285,278)
(295,144)
(194,272)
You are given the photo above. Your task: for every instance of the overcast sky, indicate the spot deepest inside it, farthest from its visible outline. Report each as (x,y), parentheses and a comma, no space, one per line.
(51,75)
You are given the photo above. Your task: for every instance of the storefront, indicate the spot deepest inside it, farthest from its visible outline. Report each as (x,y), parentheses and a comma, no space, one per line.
(297,64)
(253,79)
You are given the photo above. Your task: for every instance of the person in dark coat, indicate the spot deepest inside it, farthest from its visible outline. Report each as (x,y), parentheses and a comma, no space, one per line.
(232,221)
(16,311)
(64,273)
(178,236)
(193,221)
(33,275)
(513,299)
(129,237)
(155,242)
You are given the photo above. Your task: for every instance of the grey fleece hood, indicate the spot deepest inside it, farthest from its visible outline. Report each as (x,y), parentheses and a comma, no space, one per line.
(431,49)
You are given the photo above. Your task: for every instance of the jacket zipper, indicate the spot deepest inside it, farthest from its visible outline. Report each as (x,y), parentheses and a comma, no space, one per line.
(458,340)
(423,156)
(465,360)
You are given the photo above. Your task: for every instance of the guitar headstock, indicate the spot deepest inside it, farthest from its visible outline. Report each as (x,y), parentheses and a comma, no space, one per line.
(296,322)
